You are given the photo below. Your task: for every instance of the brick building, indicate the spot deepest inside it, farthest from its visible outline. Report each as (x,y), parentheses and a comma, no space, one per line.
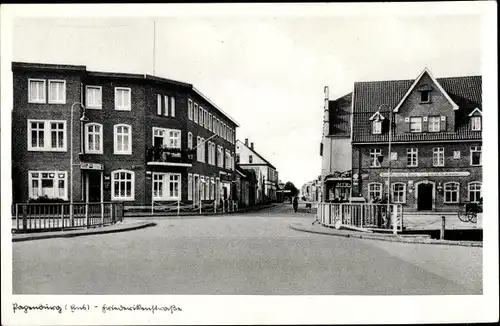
(139,138)
(435,144)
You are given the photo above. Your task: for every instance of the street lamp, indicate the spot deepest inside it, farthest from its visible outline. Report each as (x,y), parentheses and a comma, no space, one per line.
(380,159)
(83,118)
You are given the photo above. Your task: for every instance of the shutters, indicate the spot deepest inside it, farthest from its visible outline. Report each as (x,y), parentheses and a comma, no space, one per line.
(425,124)
(443,123)
(406,125)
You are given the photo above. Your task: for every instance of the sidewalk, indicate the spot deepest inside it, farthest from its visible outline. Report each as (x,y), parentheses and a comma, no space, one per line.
(118,227)
(405,238)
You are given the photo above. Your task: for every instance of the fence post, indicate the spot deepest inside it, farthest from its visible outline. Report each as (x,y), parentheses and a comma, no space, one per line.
(342,213)
(394,219)
(178,207)
(87,219)
(112,216)
(215,206)
(102,213)
(152,206)
(25,221)
(200,205)
(71,215)
(443,226)
(362,209)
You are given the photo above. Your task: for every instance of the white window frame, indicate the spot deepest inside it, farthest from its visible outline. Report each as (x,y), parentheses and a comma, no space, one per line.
(172,106)
(167,137)
(190,109)
(457,191)
(47,136)
(410,152)
(63,99)
(87,134)
(416,119)
(201,116)
(438,156)
(179,186)
(190,186)
(393,188)
(431,123)
(476,149)
(159,178)
(377,127)
(371,192)
(203,150)
(190,140)
(374,153)
(30,98)
(56,179)
(195,119)
(220,158)
(159,106)
(474,183)
(132,182)
(123,108)
(115,140)
(166,100)
(476,126)
(210,121)
(93,106)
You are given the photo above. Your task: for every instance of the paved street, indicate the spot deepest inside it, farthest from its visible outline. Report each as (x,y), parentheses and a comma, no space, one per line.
(254,253)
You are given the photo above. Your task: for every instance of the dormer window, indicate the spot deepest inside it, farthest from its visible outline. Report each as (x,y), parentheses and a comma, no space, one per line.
(377,119)
(476,120)
(475,123)
(425,94)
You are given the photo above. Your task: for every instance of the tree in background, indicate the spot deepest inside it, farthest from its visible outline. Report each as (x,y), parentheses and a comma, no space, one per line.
(293,190)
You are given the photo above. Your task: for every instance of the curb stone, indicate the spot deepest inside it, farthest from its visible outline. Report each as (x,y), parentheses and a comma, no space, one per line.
(401,239)
(71,234)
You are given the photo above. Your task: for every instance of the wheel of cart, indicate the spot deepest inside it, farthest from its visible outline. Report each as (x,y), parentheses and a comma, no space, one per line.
(470,211)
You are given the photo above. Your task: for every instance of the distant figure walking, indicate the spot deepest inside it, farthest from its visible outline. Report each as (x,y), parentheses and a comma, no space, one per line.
(295,203)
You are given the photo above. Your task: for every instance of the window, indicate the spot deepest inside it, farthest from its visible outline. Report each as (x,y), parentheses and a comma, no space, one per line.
(210,121)
(398,193)
(52,184)
(202,116)
(190,140)
(475,155)
(425,96)
(122,185)
(438,156)
(377,127)
(159,186)
(415,124)
(475,123)
(200,149)
(93,138)
(195,112)
(212,188)
(374,191)
(174,186)
(172,106)
(474,192)
(207,188)
(159,107)
(214,124)
(36,90)
(434,124)
(374,154)
(57,91)
(170,138)
(451,192)
(122,99)
(412,157)
(47,135)
(250,159)
(93,98)
(123,139)
(202,188)
(190,186)
(220,159)
(190,110)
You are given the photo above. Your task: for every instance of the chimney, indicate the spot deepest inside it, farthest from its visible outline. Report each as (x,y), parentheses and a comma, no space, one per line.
(246,142)
(251,146)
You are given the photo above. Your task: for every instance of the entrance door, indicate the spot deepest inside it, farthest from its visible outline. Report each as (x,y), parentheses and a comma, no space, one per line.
(425,191)
(94,186)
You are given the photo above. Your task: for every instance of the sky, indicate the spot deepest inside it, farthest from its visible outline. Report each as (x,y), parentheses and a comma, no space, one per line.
(267,72)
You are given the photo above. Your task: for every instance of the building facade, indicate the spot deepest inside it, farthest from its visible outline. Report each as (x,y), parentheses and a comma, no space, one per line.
(436,141)
(98,136)
(266,173)
(336,149)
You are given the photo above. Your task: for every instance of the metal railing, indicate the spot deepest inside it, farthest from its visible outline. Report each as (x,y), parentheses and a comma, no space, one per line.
(362,215)
(56,216)
(167,154)
(179,208)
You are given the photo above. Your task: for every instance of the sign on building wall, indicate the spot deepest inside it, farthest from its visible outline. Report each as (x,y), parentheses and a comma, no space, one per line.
(91,166)
(427,174)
